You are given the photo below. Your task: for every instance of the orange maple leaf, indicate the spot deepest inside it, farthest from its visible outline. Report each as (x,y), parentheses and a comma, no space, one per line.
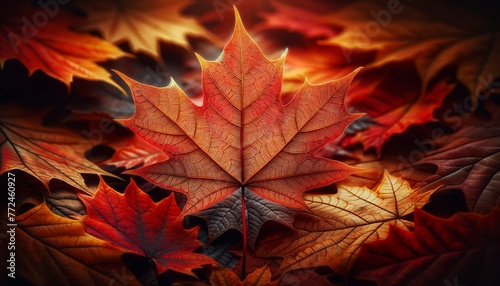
(299,17)
(242,137)
(51,47)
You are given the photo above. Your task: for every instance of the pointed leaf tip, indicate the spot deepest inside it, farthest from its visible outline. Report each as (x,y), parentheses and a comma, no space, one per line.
(238,23)
(237,17)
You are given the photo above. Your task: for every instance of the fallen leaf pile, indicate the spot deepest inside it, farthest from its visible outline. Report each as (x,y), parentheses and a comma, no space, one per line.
(264,142)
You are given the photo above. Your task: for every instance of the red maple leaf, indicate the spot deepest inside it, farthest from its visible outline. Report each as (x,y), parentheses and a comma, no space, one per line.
(134,223)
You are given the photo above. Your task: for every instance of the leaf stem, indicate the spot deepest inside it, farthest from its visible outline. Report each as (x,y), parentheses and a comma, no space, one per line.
(244,226)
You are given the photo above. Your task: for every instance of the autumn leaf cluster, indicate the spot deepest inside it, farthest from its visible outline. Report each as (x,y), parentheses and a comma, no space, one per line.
(246,142)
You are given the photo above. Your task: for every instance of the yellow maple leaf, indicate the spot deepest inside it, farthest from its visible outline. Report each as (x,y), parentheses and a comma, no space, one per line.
(338,224)
(142,23)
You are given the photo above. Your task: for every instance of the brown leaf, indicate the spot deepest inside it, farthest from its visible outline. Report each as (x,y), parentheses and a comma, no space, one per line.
(468,160)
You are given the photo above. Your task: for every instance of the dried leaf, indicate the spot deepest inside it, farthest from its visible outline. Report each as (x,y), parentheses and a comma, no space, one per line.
(226,215)
(218,249)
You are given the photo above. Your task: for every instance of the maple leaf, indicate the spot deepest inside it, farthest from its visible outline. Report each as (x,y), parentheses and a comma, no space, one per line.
(134,223)
(410,107)
(226,277)
(58,249)
(52,47)
(339,224)
(242,137)
(432,34)
(467,160)
(44,152)
(134,152)
(142,24)
(464,248)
